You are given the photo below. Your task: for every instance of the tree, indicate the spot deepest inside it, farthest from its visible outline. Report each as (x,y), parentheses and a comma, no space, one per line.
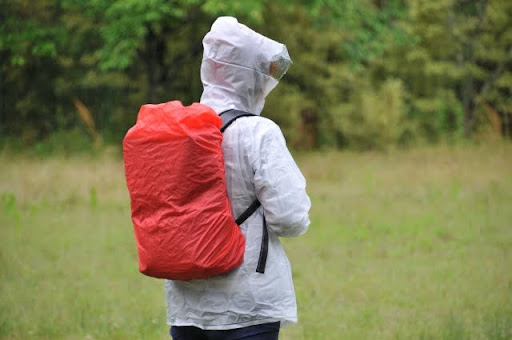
(493,65)
(146,32)
(29,44)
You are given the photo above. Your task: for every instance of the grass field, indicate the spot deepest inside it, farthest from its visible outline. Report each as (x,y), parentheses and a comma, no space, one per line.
(404,245)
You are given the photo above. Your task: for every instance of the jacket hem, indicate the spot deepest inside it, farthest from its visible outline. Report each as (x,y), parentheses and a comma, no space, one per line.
(284,323)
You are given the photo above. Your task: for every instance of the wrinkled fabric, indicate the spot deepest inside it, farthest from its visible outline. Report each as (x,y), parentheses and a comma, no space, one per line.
(258,165)
(181,215)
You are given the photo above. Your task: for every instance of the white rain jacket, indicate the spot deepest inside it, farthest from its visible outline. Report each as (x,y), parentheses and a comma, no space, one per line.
(240,67)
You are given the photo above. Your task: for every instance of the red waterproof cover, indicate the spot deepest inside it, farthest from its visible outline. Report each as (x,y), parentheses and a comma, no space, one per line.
(181,214)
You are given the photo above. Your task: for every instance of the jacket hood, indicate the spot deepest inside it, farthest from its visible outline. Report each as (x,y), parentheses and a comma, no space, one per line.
(240,67)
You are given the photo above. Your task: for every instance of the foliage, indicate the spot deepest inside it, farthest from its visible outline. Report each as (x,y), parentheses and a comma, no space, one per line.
(376,118)
(371,26)
(452,59)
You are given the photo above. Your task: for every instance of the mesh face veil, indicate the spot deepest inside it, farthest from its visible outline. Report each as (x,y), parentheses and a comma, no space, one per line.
(279,64)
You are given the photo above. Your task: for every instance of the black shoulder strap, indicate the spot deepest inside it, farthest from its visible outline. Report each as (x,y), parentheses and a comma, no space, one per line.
(228,117)
(248,212)
(262,260)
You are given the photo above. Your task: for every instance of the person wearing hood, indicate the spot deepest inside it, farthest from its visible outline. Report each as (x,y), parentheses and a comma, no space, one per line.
(239,69)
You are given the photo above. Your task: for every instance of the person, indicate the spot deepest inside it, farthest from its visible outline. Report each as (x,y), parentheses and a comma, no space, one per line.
(239,69)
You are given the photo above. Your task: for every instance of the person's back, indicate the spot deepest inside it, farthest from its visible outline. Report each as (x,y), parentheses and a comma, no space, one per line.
(240,67)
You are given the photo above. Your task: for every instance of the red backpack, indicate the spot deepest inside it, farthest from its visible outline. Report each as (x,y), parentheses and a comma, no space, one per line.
(181,214)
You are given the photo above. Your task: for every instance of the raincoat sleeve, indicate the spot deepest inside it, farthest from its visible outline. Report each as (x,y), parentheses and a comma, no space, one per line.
(279,184)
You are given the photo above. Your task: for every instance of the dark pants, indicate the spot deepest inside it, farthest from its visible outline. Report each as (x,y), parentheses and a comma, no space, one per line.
(266,331)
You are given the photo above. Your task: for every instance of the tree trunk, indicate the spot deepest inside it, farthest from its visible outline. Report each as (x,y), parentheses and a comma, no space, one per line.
(468,91)
(150,66)
(468,105)
(153,58)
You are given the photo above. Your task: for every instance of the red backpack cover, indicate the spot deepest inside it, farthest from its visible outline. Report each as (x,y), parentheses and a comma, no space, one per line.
(181,214)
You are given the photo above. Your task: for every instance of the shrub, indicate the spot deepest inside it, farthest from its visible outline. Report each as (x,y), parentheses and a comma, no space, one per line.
(374,119)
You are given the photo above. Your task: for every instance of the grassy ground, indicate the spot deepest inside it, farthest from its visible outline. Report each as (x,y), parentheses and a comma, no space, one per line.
(405,245)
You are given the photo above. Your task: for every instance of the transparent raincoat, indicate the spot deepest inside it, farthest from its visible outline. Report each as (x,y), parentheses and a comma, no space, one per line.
(239,69)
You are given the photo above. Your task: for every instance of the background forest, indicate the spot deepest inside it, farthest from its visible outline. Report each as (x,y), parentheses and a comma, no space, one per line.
(367,73)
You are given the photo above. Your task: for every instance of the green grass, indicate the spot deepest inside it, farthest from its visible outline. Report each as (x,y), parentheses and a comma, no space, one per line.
(405,245)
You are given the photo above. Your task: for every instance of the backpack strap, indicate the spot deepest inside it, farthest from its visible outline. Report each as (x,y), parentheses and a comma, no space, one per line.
(248,212)
(228,117)
(262,261)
